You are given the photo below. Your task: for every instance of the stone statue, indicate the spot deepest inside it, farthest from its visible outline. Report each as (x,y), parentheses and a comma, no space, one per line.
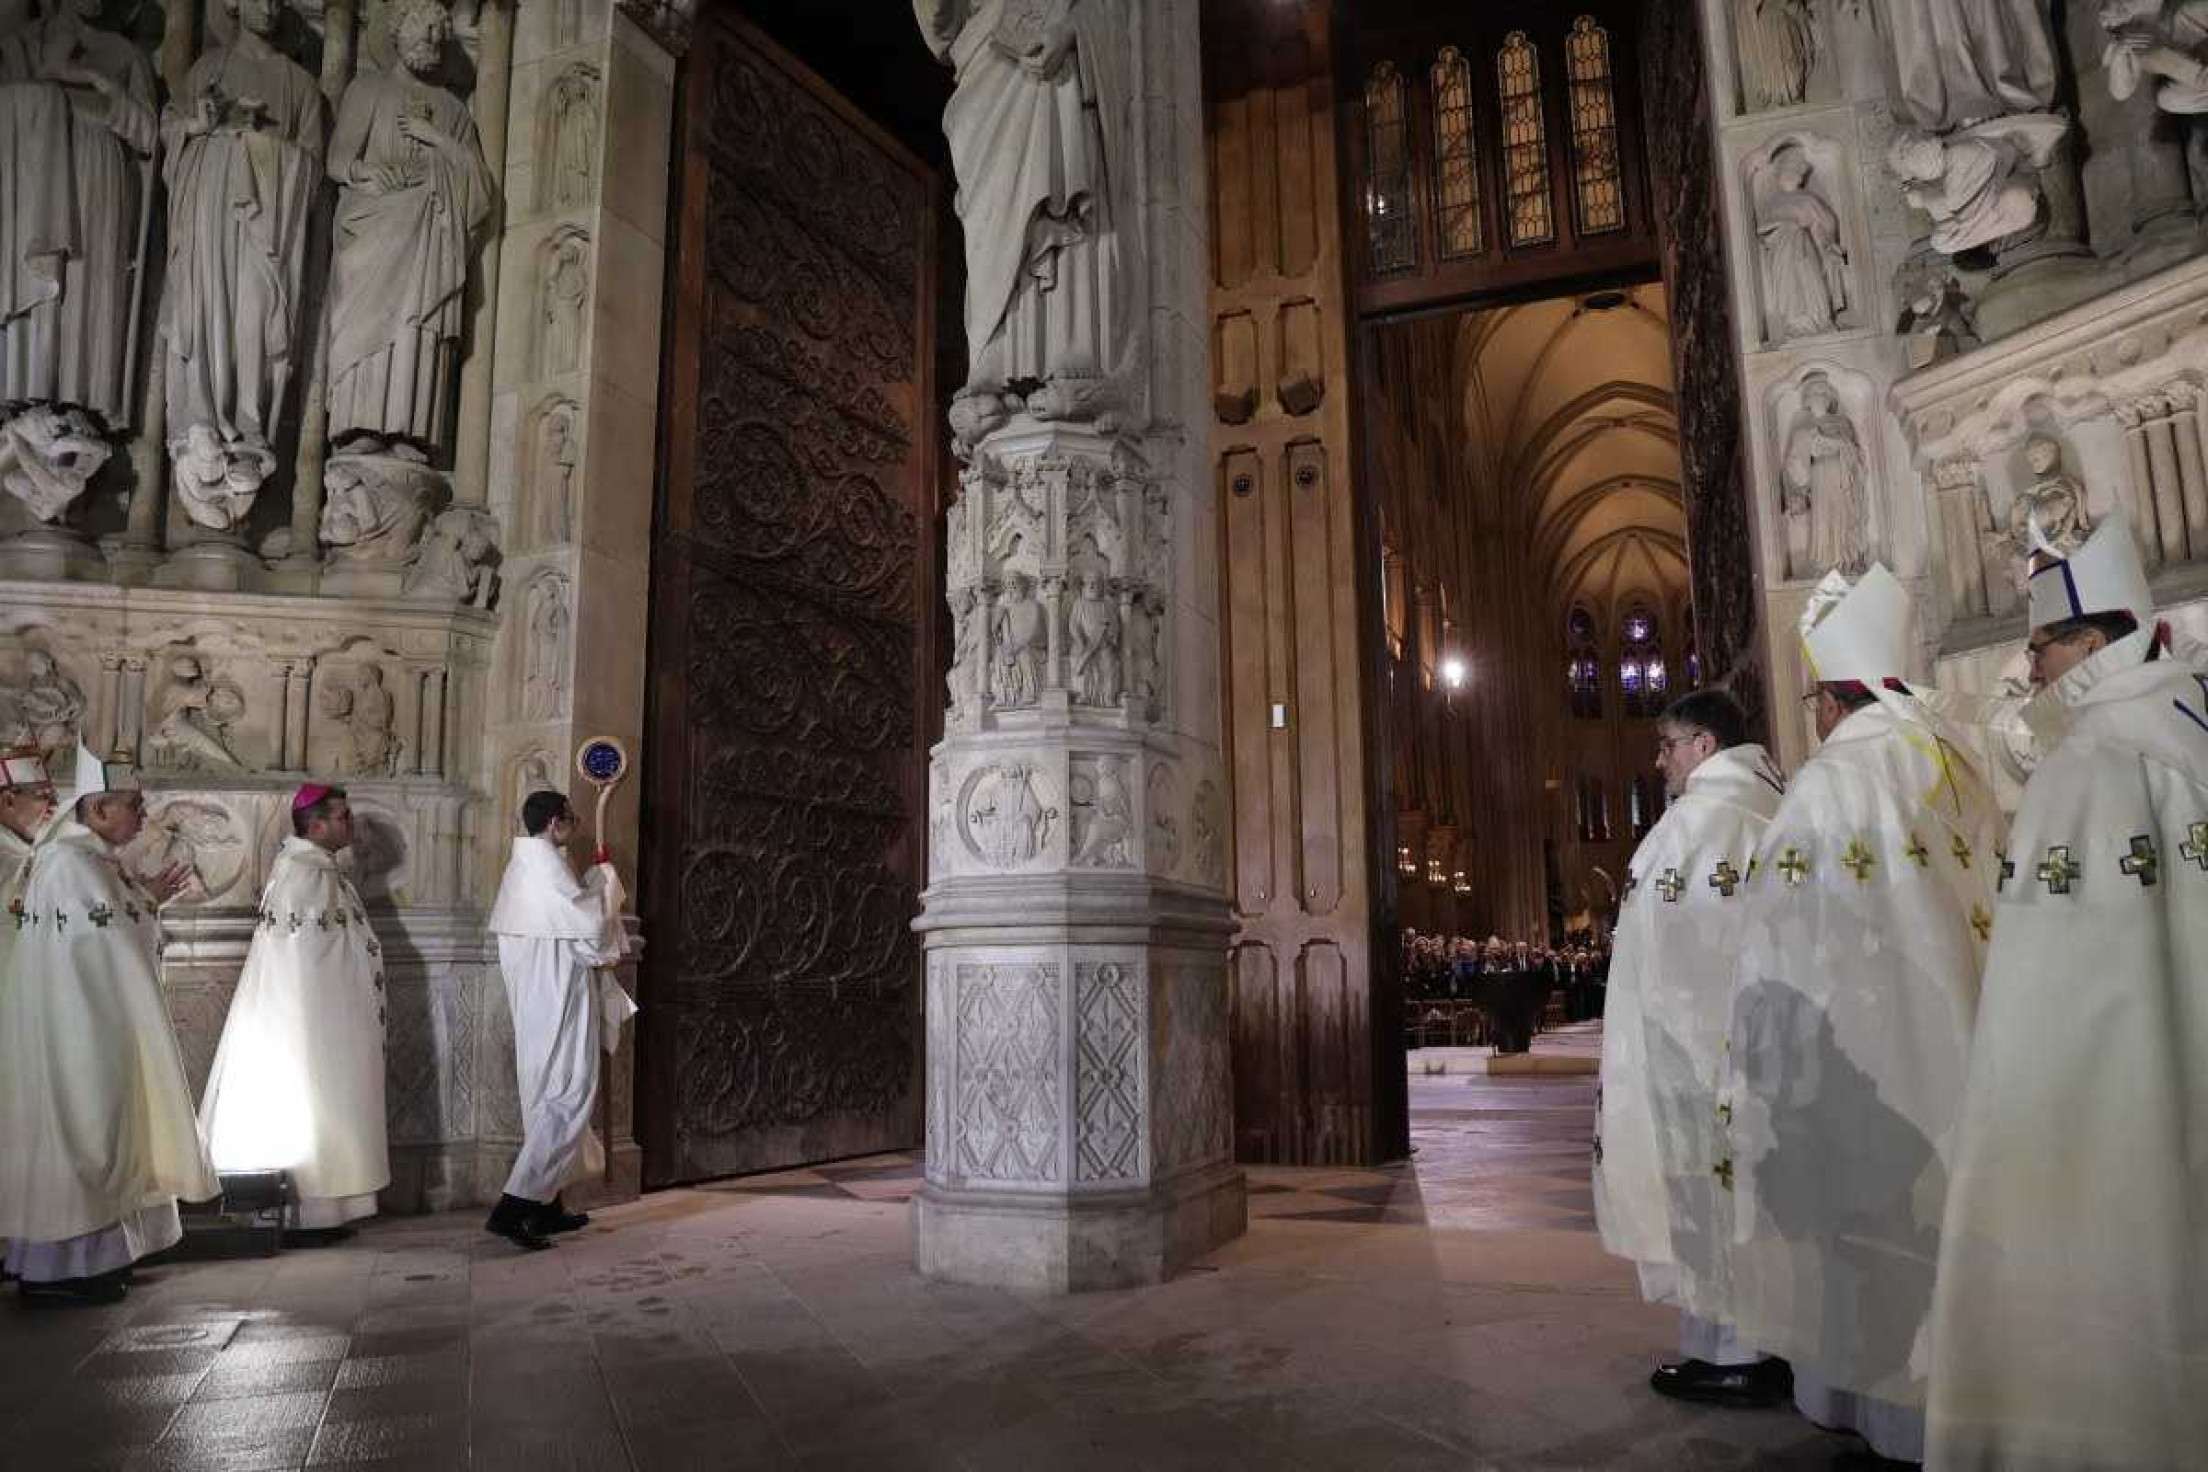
(1021,637)
(1145,670)
(552,477)
(1804,270)
(533,773)
(455,561)
(244,157)
(544,665)
(1960,62)
(1775,42)
(195,734)
(567,151)
(1039,131)
(367,712)
(965,641)
(1092,632)
(1110,820)
(45,710)
(376,506)
(414,191)
(566,290)
(77,113)
(1935,315)
(2054,502)
(2163,39)
(1827,513)
(49,455)
(1979,185)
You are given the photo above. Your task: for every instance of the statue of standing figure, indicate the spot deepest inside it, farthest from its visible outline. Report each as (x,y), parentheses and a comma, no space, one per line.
(415,189)
(1827,512)
(1093,634)
(244,155)
(1805,271)
(1039,129)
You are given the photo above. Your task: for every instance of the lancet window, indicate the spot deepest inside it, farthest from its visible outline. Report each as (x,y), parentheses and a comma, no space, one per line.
(1456,158)
(1391,233)
(1598,184)
(1529,213)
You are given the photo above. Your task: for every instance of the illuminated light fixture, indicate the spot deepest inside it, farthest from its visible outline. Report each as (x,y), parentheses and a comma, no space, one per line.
(1434,873)
(1453,671)
(1460,884)
(1405,864)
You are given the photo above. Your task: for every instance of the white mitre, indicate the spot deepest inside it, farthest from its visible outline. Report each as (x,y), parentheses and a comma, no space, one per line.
(22,766)
(96,775)
(1858,633)
(2103,576)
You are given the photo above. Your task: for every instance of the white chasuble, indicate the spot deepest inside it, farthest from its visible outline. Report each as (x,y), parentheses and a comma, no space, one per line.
(554,931)
(298,1081)
(96,1121)
(1852,1008)
(2070,1328)
(1671,977)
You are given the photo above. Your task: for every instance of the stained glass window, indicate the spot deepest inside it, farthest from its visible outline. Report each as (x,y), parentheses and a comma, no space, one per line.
(1597,187)
(1658,680)
(1528,215)
(1389,233)
(1456,157)
(1582,666)
(1641,674)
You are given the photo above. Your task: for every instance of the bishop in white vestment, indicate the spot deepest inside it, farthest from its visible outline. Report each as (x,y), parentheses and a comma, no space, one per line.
(97,1135)
(1658,1143)
(2070,1322)
(26,810)
(554,931)
(1856,990)
(298,1080)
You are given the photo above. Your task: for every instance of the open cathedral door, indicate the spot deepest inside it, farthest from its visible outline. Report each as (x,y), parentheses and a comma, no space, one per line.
(792,582)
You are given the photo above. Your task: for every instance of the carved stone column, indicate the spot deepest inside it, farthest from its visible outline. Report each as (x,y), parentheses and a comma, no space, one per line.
(471,463)
(2192,478)
(2169,505)
(298,684)
(2133,416)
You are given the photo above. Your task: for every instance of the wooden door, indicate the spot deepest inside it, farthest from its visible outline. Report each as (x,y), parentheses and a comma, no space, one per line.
(792,593)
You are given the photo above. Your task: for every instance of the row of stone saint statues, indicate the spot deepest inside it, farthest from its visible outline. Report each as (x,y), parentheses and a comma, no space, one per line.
(243,149)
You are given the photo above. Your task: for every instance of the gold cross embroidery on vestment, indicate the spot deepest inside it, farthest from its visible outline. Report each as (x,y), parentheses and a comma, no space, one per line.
(2195,848)
(1670,885)
(2059,869)
(1725,878)
(1916,850)
(1961,851)
(1859,861)
(1793,867)
(1981,922)
(2142,863)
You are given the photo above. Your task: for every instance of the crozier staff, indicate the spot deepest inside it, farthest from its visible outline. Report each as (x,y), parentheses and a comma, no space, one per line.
(97,1135)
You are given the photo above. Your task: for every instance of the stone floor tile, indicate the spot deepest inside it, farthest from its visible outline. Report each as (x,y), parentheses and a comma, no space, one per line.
(509,1448)
(210,1430)
(708,1446)
(231,1378)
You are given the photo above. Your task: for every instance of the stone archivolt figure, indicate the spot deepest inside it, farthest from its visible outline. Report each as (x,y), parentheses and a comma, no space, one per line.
(454,565)
(415,189)
(1093,631)
(367,711)
(569,139)
(1824,494)
(544,675)
(1805,272)
(1020,637)
(1039,134)
(52,704)
(1776,41)
(244,155)
(77,134)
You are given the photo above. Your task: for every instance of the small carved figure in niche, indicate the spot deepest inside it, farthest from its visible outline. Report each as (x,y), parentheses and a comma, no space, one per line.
(1827,513)
(414,190)
(2163,39)
(1038,125)
(1145,624)
(217,481)
(2054,502)
(77,111)
(552,482)
(1110,818)
(1776,43)
(367,712)
(966,644)
(560,317)
(50,705)
(1021,638)
(456,563)
(48,456)
(1935,315)
(243,144)
(376,505)
(195,734)
(544,664)
(1980,185)
(1805,272)
(568,150)
(1093,630)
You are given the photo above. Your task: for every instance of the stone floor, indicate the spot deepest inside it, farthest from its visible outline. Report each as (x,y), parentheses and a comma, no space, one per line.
(1453,1313)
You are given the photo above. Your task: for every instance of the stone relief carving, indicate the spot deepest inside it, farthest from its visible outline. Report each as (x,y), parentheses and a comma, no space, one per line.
(199,834)
(414,190)
(1145,658)
(1007,815)
(966,621)
(1007,1118)
(1980,184)
(2053,503)
(1107,1075)
(563,289)
(376,505)
(366,711)
(1824,500)
(46,710)
(1207,823)
(544,683)
(1935,314)
(1195,1104)
(1966,532)
(1775,44)
(553,454)
(196,732)
(243,157)
(48,456)
(1803,267)
(567,139)
(458,560)
(1021,639)
(1093,632)
(1163,803)
(1103,813)
(2165,40)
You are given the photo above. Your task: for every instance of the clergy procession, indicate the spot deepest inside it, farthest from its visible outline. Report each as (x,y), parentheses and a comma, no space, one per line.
(1901,1102)
(99,1138)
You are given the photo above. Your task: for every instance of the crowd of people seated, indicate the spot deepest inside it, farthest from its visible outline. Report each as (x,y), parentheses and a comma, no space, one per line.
(1511,982)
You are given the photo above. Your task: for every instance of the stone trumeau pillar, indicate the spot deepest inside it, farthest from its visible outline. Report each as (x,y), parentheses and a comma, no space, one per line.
(1078,1100)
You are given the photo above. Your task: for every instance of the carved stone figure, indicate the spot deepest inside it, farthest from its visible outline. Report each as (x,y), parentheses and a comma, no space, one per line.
(1935,315)
(567,147)
(50,704)
(1007,820)
(1979,185)
(366,710)
(1092,631)
(48,456)
(77,112)
(1827,512)
(1805,271)
(196,834)
(552,476)
(1021,638)
(2163,39)
(195,733)
(2054,503)
(966,641)
(1775,42)
(544,661)
(375,506)
(415,189)
(1145,626)
(1039,131)
(1960,62)
(566,291)
(455,564)
(243,158)
(1106,821)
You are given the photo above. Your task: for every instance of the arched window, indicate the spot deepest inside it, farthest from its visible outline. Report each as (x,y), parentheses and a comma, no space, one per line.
(1582,666)
(1391,237)
(1527,214)
(1598,189)
(1642,679)
(1456,158)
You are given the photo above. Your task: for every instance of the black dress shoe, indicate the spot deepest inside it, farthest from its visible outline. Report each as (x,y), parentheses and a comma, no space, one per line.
(102,1288)
(1764,1383)
(553,1217)
(515,1220)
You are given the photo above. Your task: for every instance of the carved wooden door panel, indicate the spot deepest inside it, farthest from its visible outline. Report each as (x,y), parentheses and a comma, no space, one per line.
(792,585)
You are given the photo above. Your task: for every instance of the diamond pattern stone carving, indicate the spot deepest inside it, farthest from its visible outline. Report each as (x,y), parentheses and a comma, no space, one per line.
(1107,1087)
(1008,1073)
